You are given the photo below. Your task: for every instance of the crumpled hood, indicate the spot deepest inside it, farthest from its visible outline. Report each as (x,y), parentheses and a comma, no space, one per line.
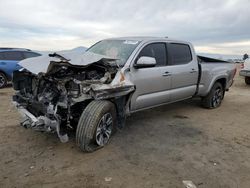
(41,63)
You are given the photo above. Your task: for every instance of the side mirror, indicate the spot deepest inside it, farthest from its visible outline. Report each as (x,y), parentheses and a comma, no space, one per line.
(145,61)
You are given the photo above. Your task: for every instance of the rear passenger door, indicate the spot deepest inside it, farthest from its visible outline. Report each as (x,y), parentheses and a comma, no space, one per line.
(184,71)
(152,83)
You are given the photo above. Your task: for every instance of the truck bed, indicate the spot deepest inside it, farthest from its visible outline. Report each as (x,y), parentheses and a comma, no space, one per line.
(203,59)
(214,69)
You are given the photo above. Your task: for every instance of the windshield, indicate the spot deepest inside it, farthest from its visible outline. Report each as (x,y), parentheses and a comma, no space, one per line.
(117,49)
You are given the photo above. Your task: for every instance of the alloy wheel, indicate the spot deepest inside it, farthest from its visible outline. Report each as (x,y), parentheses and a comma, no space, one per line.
(2,80)
(104,129)
(217,98)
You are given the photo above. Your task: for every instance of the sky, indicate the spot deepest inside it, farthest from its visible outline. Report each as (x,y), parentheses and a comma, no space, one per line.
(212,26)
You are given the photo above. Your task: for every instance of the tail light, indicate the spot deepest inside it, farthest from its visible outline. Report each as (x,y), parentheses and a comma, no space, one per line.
(242,66)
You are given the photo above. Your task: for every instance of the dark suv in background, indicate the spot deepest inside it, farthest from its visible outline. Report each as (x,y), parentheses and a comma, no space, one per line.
(9,58)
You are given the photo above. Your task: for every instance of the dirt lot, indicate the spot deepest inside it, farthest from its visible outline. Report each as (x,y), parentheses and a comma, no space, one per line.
(158,148)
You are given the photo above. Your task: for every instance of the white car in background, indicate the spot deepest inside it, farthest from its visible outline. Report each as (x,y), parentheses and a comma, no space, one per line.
(246,71)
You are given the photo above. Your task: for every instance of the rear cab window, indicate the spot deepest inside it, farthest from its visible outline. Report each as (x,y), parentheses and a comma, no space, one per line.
(179,53)
(157,51)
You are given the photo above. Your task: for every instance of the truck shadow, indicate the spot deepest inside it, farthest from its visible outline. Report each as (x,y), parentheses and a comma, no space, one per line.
(168,122)
(169,110)
(159,125)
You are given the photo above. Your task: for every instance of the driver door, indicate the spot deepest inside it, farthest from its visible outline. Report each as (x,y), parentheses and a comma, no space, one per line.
(152,83)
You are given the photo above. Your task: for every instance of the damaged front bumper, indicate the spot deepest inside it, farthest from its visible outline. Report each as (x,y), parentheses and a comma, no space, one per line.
(41,123)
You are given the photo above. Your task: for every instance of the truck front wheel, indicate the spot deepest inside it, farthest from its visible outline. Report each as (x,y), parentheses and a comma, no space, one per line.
(96,125)
(247,80)
(214,97)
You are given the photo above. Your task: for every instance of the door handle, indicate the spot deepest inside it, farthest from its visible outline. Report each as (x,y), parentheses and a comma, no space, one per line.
(166,74)
(193,71)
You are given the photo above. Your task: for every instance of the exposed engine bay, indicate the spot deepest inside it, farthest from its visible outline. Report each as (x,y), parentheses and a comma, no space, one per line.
(53,101)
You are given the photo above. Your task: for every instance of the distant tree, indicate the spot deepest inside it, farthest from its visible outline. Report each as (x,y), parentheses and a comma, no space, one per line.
(245,56)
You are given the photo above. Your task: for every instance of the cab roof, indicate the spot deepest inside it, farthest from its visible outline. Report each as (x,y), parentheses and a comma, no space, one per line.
(145,38)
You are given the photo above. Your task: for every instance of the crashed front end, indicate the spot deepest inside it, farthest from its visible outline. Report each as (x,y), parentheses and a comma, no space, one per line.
(53,100)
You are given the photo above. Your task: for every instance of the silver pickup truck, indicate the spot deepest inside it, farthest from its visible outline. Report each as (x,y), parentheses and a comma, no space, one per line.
(92,93)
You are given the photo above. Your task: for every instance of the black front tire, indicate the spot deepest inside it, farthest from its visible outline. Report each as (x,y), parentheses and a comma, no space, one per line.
(214,97)
(3,80)
(247,80)
(86,132)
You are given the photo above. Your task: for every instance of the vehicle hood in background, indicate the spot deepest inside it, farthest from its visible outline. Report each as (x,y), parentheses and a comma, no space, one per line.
(40,64)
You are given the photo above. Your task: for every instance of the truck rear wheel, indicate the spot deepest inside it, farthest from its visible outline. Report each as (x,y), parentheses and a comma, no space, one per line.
(3,80)
(247,80)
(214,97)
(96,125)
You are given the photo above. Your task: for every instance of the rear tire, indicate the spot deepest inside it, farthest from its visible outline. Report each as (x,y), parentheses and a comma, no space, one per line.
(214,97)
(3,80)
(247,80)
(96,125)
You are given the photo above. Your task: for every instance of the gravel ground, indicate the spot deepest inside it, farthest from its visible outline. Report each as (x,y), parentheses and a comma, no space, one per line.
(158,148)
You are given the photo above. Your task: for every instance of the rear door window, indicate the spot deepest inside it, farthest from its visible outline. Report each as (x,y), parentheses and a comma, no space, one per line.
(13,55)
(30,54)
(157,51)
(179,53)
